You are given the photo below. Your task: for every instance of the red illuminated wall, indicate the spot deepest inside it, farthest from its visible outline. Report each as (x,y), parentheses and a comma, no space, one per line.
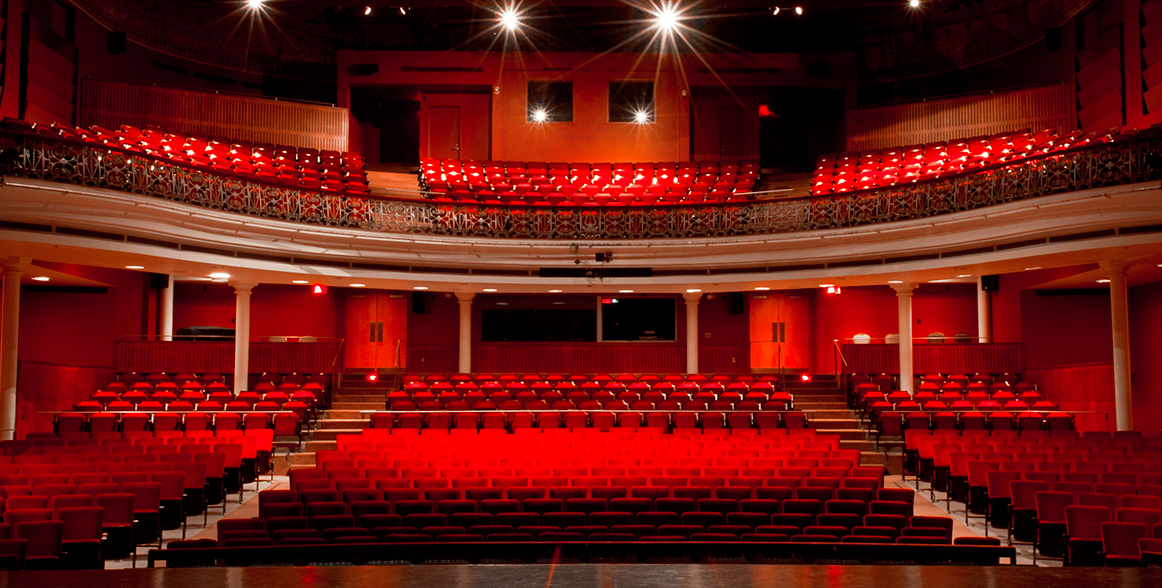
(1146,356)
(472,112)
(274,309)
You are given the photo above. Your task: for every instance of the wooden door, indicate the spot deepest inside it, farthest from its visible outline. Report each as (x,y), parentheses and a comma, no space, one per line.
(779,335)
(444,132)
(376,330)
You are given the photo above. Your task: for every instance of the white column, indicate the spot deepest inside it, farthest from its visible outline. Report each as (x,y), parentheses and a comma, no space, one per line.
(166,332)
(983,328)
(692,299)
(904,297)
(241,335)
(465,299)
(1119,305)
(9,344)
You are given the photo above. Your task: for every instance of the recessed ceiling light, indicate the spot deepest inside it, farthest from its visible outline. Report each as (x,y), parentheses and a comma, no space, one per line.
(964,276)
(220,276)
(300,281)
(502,304)
(693,290)
(895,281)
(826,285)
(40,278)
(135,267)
(1101,281)
(761,288)
(626,291)
(558,302)
(490,289)
(559,291)
(357,285)
(419,287)
(1036,267)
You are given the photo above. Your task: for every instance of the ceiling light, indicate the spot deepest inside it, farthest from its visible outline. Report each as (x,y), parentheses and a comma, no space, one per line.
(914,3)
(761,288)
(300,281)
(625,291)
(135,267)
(641,117)
(502,304)
(46,278)
(826,285)
(895,281)
(357,285)
(1036,267)
(367,11)
(558,302)
(490,289)
(666,17)
(555,291)
(508,18)
(540,115)
(1101,281)
(776,11)
(402,11)
(693,290)
(255,5)
(220,276)
(419,287)
(799,10)
(964,276)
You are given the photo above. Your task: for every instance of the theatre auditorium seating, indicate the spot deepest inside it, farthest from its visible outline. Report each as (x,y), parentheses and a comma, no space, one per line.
(587,184)
(1055,492)
(563,486)
(327,171)
(186,402)
(955,402)
(880,168)
(73,503)
(511,401)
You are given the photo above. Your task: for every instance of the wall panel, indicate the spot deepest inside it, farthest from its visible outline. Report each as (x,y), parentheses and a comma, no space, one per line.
(1087,388)
(45,388)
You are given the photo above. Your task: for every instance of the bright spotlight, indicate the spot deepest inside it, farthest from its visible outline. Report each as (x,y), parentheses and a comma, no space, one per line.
(799,10)
(666,18)
(776,11)
(641,117)
(255,5)
(367,11)
(540,115)
(914,3)
(509,18)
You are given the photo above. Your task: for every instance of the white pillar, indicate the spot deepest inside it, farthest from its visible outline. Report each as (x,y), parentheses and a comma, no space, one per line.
(1119,310)
(692,299)
(241,335)
(166,333)
(983,328)
(904,297)
(9,344)
(465,299)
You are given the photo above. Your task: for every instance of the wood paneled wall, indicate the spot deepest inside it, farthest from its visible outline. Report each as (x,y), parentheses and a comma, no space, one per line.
(47,388)
(1087,387)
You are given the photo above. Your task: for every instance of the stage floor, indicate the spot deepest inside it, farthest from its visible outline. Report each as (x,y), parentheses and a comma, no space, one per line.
(599,576)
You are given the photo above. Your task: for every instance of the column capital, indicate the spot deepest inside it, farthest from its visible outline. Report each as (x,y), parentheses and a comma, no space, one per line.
(243,287)
(15,264)
(692,297)
(1116,267)
(465,297)
(903,289)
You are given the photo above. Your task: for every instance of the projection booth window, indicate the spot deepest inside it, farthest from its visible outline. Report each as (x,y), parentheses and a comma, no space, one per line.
(631,102)
(550,102)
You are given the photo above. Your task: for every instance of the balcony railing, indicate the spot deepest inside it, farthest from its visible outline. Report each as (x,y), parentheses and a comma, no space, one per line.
(1124,161)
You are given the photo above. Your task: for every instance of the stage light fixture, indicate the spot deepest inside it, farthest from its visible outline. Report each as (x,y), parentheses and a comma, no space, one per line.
(540,115)
(666,17)
(509,18)
(367,11)
(799,10)
(914,3)
(776,11)
(255,5)
(641,117)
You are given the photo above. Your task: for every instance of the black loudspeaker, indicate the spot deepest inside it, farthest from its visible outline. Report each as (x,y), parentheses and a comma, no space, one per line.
(116,42)
(990,283)
(1053,39)
(159,281)
(734,302)
(363,69)
(419,303)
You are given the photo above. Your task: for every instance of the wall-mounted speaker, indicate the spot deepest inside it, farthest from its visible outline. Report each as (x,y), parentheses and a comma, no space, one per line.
(115,42)
(734,301)
(1053,39)
(990,283)
(419,302)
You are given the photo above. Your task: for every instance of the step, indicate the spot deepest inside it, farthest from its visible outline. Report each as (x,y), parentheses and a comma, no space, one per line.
(331,424)
(351,414)
(361,397)
(381,405)
(320,445)
(332,434)
(816,414)
(302,459)
(839,423)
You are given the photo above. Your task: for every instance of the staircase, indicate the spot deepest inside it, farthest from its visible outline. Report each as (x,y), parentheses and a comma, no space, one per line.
(402,185)
(353,395)
(825,403)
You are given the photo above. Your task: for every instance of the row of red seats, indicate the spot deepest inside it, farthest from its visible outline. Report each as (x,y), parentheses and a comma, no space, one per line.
(283,422)
(131,400)
(575,397)
(327,170)
(688,418)
(206,379)
(579,379)
(893,166)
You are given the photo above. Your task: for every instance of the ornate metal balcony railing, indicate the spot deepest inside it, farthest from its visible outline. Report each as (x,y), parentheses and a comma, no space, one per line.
(1125,161)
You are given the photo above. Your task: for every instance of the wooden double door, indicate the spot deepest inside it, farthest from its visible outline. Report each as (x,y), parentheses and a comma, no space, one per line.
(376,330)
